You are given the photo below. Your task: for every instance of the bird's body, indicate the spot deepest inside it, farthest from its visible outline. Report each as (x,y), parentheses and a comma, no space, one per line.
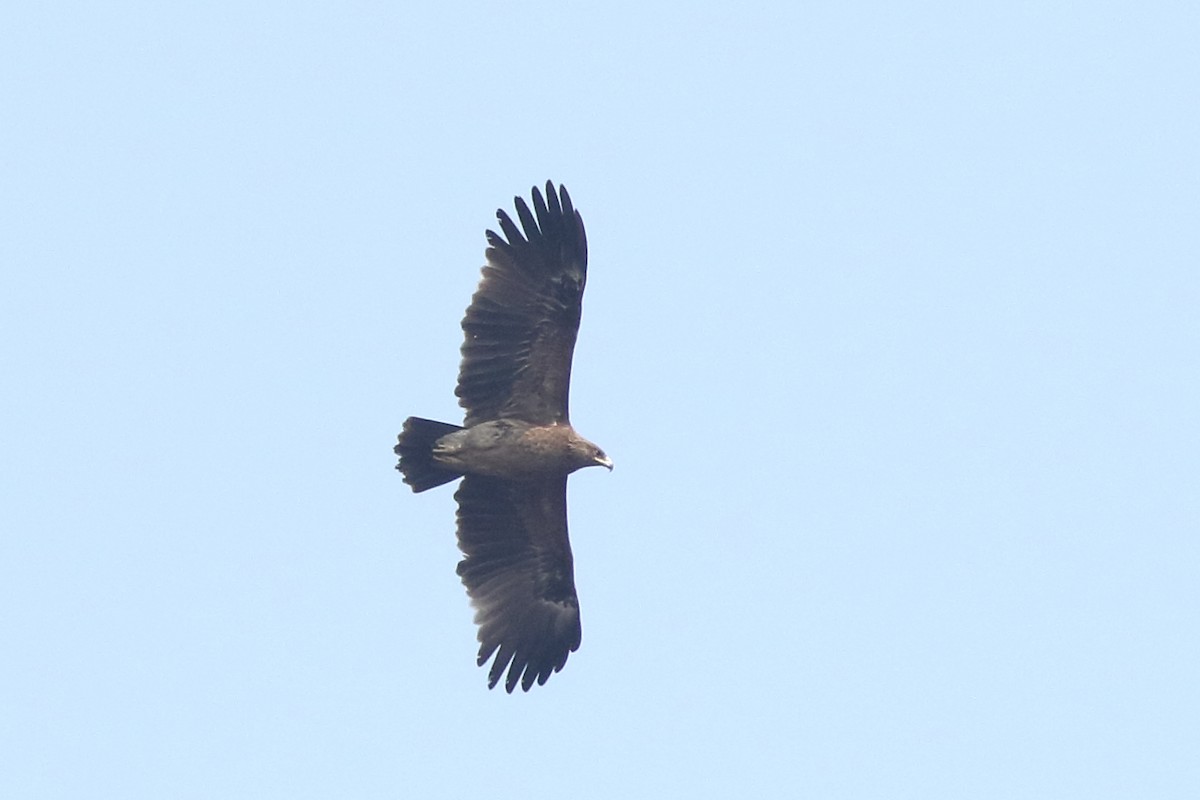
(510,448)
(516,446)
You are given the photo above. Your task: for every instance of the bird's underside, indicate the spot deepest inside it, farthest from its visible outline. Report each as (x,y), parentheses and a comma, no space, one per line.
(516,446)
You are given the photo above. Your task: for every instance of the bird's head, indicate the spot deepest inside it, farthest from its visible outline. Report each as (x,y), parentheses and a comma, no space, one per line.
(587,454)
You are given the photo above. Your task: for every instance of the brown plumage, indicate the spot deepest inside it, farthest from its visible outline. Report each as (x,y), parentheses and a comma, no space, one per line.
(516,445)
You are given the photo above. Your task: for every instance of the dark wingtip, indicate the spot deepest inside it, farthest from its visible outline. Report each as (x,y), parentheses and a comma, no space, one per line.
(552,217)
(559,199)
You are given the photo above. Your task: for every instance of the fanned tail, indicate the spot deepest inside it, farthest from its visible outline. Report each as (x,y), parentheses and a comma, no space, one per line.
(415,449)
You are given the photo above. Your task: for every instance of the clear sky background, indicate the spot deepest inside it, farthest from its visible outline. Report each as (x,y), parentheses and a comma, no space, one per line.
(892,329)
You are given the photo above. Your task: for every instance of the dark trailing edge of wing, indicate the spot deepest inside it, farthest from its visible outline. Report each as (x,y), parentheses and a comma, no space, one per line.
(522,322)
(518,571)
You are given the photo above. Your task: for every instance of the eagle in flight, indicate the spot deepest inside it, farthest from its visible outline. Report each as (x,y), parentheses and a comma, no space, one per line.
(516,446)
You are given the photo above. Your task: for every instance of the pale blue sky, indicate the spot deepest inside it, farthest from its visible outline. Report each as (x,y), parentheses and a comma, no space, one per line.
(891,328)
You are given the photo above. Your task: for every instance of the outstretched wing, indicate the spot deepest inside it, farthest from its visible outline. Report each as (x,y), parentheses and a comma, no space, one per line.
(521,325)
(518,571)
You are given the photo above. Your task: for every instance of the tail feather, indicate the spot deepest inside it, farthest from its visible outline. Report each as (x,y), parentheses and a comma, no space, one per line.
(415,449)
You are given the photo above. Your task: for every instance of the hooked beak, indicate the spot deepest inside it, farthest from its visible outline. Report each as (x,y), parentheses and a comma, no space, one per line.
(605,461)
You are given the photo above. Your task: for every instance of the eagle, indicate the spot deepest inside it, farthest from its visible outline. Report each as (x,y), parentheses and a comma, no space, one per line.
(516,445)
